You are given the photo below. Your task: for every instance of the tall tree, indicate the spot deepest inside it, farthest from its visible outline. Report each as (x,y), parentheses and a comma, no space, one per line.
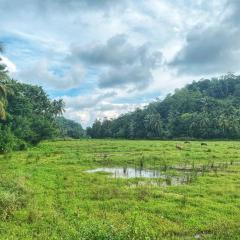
(3,89)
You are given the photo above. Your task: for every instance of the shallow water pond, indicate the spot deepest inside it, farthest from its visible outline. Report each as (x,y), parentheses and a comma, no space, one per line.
(119,172)
(122,172)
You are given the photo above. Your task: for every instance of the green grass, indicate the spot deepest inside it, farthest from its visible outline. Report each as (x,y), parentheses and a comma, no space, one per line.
(45,192)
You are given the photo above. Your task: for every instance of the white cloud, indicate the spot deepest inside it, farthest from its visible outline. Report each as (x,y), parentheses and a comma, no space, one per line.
(100,111)
(71,45)
(11,67)
(59,78)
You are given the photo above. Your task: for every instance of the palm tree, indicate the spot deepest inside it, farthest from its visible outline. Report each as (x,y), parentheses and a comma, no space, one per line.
(153,123)
(3,100)
(3,91)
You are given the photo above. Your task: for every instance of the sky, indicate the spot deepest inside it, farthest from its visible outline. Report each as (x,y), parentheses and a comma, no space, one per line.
(106,57)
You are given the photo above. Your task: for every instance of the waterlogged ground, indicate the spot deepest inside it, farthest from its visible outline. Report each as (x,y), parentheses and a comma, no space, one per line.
(54,191)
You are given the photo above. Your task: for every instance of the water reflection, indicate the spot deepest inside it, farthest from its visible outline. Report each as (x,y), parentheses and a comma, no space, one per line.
(125,172)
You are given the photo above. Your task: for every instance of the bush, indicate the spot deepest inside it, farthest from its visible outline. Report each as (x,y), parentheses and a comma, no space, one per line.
(9,142)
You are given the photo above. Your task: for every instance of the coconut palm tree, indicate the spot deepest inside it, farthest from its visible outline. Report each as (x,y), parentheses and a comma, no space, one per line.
(3,91)
(3,97)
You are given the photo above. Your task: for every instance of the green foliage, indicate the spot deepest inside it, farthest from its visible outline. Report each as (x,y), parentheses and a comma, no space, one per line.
(27,115)
(31,114)
(69,128)
(7,139)
(3,91)
(205,109)
(2,111)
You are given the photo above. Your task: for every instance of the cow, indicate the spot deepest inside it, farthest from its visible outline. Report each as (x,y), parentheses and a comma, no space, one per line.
(179,147)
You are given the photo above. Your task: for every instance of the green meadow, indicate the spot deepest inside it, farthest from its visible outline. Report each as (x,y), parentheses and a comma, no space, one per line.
(46,193)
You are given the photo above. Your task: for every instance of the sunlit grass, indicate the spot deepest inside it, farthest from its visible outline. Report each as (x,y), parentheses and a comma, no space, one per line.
(45,192)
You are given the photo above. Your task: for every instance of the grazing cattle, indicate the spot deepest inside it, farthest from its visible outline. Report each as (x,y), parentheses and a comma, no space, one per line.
(179,147)
(203,144)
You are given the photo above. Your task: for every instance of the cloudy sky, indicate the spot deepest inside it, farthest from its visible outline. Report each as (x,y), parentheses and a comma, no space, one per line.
(106,57)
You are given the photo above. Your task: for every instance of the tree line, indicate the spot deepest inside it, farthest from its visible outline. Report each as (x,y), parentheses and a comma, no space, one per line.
(28,115)
(206,109)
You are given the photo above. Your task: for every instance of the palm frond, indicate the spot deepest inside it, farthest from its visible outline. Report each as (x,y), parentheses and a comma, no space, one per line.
(2,111)
(3,91)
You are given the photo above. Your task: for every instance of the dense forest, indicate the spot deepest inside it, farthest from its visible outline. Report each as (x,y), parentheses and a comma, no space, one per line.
(207,109)
(28,115)
(69,128)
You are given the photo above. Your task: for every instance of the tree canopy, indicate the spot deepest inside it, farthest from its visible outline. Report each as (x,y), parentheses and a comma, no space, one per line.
(3,89)
(28,115)
(69,128)
(206,109)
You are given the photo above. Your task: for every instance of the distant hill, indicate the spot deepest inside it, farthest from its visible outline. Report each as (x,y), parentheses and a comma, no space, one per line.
(206,109)
(69,128)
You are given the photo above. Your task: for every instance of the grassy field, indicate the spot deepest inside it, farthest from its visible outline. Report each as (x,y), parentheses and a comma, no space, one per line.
(46,193)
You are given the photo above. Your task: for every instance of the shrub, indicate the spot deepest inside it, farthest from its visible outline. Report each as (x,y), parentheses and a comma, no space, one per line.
(9,142)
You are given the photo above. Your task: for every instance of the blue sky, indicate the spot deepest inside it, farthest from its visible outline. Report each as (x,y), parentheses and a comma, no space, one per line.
(106,57)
